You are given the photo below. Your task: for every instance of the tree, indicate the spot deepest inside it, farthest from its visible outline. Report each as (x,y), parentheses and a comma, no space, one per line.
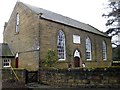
(116,54)
(113,21)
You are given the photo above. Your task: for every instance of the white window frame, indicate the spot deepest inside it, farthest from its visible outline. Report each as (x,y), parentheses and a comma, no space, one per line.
(76,39)
(6,61)
(17,23)
(64,46)
(88,49)
(104,51)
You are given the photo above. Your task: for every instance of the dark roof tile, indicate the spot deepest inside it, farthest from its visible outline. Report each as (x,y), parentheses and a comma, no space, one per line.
(5,50)
(63,19)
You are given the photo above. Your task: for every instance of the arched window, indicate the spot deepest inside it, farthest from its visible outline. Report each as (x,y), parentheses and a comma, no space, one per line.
(104,50)
(61,45)
(17,23)
(88,49)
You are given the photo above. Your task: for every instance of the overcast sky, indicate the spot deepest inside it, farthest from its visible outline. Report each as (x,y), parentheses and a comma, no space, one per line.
(86,11)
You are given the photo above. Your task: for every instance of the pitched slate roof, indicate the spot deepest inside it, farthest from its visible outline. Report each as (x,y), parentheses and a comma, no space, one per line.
(64,20)
(5,50)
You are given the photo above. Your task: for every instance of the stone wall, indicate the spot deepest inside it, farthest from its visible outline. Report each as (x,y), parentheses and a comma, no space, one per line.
(108,77)
(84,77)
(9,79)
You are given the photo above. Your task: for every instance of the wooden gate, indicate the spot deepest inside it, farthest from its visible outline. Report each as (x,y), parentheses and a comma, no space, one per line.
(31,76)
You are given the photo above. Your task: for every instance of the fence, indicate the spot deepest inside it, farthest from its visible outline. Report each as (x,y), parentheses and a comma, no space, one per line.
(101,77)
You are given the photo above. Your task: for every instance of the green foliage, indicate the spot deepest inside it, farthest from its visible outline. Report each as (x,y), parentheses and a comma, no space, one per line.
(69,53)
(87,69)
(113,20)
(51,58)
(116,53)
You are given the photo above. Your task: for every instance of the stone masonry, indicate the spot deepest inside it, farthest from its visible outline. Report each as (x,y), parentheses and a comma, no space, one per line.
(37,35)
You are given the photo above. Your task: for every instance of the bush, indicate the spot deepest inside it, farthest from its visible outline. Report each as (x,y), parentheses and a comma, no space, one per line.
(51,58)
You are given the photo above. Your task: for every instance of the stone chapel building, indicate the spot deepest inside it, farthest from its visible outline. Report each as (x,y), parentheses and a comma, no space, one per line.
(32,31)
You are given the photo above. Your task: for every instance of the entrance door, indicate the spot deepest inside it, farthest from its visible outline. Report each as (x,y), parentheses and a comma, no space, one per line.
(76,61)
(16,65)
(76,58)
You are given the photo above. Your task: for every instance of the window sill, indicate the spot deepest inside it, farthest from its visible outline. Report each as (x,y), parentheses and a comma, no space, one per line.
(16,33)
(62,61)
(88,59)
(104,60)
(6,66)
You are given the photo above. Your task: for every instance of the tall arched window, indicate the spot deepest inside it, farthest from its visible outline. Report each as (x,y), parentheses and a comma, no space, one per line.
(104,50)
(88,49)
(17,23)
(61,45)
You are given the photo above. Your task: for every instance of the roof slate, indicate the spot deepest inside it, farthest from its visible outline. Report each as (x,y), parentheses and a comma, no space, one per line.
(5,50)
(64,20)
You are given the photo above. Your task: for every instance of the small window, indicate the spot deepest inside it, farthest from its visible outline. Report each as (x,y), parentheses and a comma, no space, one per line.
(104,50)
(88,49)
(76,39)
(6,62)
(17,23)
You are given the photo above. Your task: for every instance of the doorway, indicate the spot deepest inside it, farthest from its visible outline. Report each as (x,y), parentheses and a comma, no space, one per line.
(77,58)
(76,61)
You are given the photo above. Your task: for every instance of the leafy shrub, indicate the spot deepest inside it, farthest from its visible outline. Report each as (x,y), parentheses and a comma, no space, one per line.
(51,58)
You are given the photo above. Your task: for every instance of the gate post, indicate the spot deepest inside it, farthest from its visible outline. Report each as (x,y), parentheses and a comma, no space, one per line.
(26,76)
